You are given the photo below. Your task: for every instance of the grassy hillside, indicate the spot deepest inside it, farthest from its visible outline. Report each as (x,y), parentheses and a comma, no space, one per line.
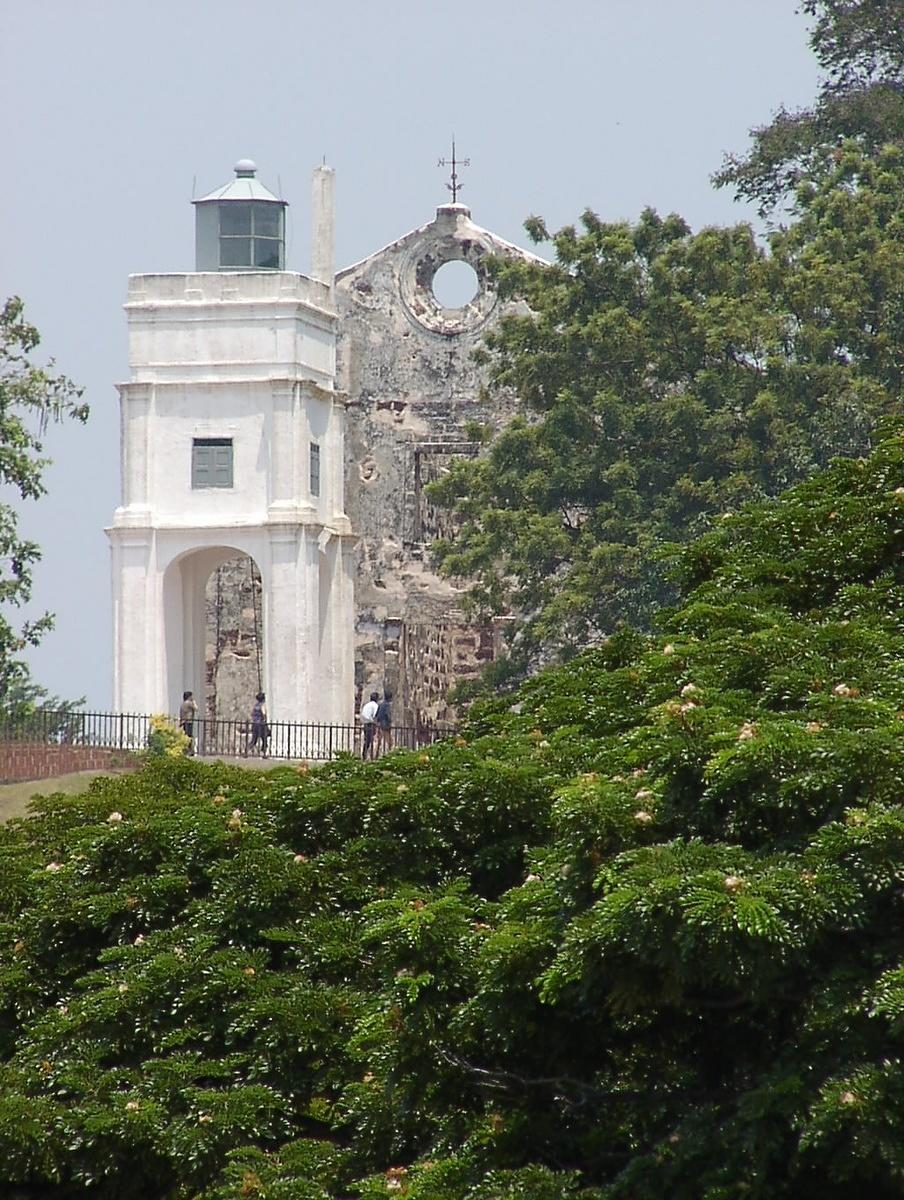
(15,797)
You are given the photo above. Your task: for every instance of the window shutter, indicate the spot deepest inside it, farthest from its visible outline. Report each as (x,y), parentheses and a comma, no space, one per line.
(222,466)
(200,467)
(211,463)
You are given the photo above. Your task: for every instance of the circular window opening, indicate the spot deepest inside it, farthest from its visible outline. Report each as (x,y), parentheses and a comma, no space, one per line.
(455,284)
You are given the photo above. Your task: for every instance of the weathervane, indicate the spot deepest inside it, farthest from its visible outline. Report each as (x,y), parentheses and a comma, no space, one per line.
(454,187)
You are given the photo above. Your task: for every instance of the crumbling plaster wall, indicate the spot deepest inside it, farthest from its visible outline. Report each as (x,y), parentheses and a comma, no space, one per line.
(406,365)
(234,646)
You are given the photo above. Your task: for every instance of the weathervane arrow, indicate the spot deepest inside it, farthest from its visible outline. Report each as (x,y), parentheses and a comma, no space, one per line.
(454,186)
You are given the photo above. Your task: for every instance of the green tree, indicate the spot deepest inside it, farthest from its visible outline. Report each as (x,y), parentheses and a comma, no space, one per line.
(638,934)
(665,378)
(30,397)
(860,46)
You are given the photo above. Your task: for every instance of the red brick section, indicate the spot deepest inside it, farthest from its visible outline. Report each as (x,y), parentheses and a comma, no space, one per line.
(21,761)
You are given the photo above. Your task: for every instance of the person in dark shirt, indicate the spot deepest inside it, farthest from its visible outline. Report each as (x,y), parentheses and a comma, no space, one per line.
(384,723)
(260,728)
(187,712)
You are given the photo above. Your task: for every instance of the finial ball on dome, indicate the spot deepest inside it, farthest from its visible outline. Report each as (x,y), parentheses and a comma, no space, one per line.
(245,166)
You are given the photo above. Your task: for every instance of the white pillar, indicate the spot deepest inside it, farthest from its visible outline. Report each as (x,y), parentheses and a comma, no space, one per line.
(135,623)
(284,650)
(336,634)
(191,677)
(323,191)
(283,469)
(135,407)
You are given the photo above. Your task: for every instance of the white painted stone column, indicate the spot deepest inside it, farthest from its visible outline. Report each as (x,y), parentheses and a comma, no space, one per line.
(194,571)
(284,652)
(135,405)
(283,469)
(337,626)
(335,454)
(312,701)
(135,616)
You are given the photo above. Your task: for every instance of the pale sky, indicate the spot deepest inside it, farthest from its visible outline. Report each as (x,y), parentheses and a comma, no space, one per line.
(115,110)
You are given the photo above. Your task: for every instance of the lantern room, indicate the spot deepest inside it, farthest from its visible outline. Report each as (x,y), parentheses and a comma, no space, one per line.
(240,226)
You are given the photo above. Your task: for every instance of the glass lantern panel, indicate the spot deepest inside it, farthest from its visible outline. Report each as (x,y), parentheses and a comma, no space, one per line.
(235,252)
(266,220)
(266,253)
(235,219)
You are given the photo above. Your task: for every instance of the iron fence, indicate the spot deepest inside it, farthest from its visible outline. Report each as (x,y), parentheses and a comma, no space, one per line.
(309,741)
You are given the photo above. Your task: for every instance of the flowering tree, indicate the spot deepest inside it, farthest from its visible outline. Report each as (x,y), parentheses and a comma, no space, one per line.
(636,935)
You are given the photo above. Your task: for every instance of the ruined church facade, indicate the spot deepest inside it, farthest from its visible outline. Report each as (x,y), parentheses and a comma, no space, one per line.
(414,392)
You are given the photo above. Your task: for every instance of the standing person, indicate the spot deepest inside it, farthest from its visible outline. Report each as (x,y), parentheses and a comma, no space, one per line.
(260,728)
(369,724)
(384,723)
(187,712)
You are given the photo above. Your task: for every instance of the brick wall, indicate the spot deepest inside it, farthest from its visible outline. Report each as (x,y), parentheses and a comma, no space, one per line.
(21,761)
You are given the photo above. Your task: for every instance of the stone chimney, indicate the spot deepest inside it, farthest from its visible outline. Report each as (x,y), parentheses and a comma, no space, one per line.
(323,190)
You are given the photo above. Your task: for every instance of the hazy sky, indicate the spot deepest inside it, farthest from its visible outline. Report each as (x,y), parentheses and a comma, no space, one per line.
(116,109)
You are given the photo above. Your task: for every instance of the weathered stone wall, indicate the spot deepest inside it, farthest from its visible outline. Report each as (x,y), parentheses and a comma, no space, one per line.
(406,364)
(233,643)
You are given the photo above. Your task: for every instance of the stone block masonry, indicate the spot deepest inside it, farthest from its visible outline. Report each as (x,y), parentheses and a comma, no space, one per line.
(407,365)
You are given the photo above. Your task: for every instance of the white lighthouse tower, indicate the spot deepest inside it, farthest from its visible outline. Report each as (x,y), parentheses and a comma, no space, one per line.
(232,444)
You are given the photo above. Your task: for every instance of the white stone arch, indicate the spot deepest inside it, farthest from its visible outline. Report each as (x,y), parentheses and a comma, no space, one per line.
(184,573)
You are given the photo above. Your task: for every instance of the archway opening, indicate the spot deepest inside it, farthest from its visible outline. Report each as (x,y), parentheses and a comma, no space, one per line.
(214,636)
(455,284)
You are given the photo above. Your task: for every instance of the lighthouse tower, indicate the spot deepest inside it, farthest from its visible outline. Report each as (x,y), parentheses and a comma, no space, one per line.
(232,444)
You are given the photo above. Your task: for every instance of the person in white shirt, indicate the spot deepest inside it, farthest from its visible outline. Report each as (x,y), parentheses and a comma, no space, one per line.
(369,724)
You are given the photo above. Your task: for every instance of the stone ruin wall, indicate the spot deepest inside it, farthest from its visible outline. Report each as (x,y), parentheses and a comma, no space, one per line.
(232,646)
(406,365)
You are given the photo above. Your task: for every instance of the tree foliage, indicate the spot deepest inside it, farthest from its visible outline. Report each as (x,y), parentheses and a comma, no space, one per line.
(860,46)
(30,397)
(666,377)
(636,935)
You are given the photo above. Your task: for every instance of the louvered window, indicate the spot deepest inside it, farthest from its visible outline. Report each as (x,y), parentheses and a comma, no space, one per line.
(211,463)
(315,469)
